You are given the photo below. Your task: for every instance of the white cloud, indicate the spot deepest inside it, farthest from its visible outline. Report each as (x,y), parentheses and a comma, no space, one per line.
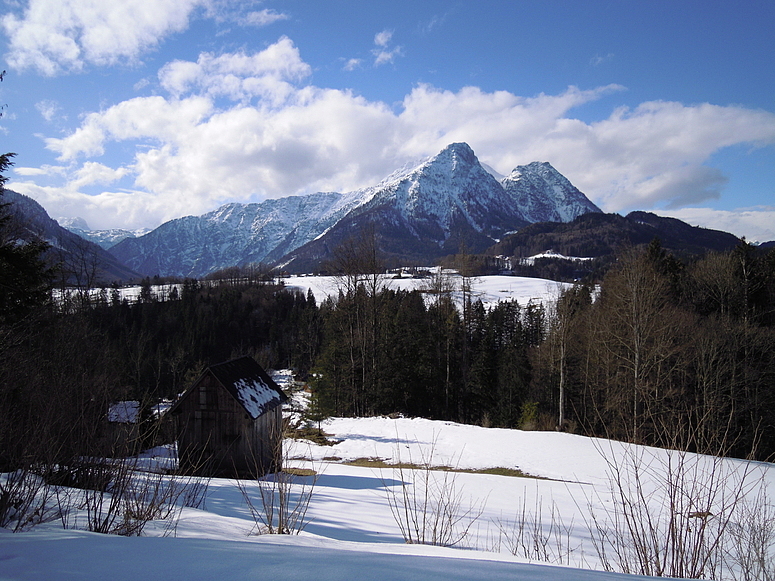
(382,54)
(382,57)
(96,173)
(352,64)
(267,75)
(45,170)
(435,22)
(264,17)
(281,136)
(110,209)
(383,38)
(598,60)
(56,36)
(47,109)
(142,118)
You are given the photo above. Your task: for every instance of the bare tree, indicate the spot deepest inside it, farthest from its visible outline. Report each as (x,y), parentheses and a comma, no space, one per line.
(672,512)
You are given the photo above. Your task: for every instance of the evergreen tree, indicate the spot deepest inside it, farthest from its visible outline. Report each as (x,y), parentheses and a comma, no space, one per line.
(25,279)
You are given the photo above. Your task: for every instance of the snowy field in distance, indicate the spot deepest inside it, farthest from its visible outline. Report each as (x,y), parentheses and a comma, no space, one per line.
(490,289)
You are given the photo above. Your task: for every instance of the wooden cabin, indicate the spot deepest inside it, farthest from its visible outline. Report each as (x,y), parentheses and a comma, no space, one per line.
(229,423)
(122,431)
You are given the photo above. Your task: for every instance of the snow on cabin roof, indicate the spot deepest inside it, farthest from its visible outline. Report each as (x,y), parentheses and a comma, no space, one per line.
(250,385)
(124,412)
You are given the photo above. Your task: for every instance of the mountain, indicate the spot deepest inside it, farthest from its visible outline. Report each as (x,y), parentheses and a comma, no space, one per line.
(419,213)
(234,234)
(444,204)
(81,261)
(544,195)
(104,238)
(599,235)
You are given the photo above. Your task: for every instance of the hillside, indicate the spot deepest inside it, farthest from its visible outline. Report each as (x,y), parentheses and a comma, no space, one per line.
(78,260)
(597,235)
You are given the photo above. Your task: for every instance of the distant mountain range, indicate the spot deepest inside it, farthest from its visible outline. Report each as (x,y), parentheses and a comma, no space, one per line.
(103,238)
(419,213)
(424,211)
(596,235)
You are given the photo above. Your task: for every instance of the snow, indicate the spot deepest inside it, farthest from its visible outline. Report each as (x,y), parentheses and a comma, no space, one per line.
(530,260)
(84,556)
(351,532)
(490,289)
(124,412)
(255,395)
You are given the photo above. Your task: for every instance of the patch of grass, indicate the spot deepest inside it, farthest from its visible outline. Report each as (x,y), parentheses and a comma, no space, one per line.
(300,471)
(371,463)
(380,463)
(500,471)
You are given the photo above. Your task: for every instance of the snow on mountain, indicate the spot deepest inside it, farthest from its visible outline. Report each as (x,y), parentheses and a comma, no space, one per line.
(104,238)
(530,260)
(545,195)
(234,234)
(450,185)
(430,207)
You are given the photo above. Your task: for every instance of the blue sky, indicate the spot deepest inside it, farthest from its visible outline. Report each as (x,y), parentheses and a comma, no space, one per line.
(129,113)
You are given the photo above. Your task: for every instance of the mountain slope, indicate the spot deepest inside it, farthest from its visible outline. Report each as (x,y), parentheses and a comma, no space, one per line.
(80,261)
(447,202)
(104,238)
(544,195)
(233,234)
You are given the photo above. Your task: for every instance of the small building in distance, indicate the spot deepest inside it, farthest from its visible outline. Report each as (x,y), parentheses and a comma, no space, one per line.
(229,422)
(121,435)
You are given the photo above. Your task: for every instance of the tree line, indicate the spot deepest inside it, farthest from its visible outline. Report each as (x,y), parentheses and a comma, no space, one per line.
(659,351)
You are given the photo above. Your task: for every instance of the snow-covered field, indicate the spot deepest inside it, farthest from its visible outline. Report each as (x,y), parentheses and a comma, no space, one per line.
(489,289)
(351,532)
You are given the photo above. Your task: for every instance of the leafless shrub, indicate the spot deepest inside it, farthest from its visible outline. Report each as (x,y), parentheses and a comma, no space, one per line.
(279,502)
(24,500)
(113,496)
(428,505)
(672,512)
(752,554)
(532,536)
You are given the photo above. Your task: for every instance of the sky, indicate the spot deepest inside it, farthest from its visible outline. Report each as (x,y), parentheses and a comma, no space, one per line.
(130,113)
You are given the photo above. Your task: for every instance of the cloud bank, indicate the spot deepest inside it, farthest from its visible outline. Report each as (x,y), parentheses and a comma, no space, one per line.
(59,36)
(247,126)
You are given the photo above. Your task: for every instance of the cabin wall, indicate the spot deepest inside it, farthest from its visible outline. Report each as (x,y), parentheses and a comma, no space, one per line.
(217,437)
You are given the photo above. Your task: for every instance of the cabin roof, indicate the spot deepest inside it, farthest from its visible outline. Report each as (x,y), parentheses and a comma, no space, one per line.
(246,381)
(124,412)
(249,384)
